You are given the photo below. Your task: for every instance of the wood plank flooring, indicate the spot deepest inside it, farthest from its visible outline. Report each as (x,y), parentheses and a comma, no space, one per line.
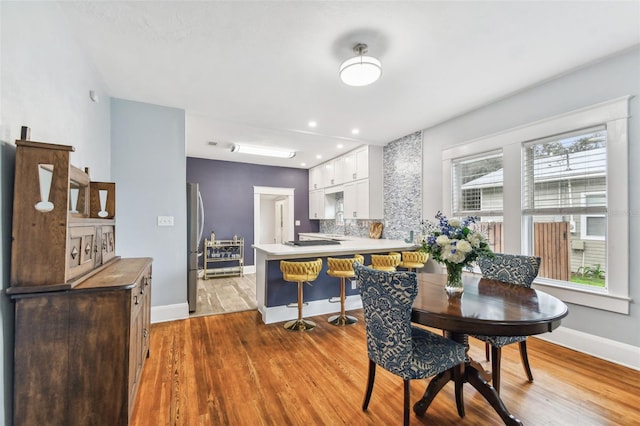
(234,370)
(225,294)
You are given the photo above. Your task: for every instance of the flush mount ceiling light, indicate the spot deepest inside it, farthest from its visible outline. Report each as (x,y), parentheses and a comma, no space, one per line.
(264,151)
(360,70)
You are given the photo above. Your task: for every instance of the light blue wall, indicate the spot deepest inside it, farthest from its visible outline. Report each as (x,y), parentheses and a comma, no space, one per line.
(605,80)
(149,168)
(45,79)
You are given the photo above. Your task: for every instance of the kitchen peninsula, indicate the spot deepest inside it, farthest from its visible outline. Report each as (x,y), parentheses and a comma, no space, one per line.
(273,293)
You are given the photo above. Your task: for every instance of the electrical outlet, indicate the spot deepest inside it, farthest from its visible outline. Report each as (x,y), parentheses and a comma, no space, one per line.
(354,284)
(165,220)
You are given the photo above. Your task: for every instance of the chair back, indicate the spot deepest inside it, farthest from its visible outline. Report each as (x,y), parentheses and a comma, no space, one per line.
(300,271)
(342,267)
(510,268)
(387,298)
(385,262)
(415,256)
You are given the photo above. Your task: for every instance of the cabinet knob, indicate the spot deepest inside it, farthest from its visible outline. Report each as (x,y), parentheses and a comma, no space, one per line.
(135,300)
(355,176)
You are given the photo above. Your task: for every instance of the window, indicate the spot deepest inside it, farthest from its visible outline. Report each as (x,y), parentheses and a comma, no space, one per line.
(565,176)
(593,227)
(563,188)
(477,191)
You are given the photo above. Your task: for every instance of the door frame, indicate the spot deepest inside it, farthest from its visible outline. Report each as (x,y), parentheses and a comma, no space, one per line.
(258,192)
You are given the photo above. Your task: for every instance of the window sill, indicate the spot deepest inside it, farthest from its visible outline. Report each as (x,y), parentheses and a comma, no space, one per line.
(583,297)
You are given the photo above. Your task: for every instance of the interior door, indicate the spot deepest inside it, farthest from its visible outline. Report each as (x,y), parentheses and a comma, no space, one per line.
(281,221)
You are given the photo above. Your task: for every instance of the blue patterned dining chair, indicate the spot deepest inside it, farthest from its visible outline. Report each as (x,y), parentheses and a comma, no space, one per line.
(392,342)
(513,269)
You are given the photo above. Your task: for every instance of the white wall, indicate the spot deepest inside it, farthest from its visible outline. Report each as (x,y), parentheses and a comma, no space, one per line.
(609,79)
(45,80)
(149,168)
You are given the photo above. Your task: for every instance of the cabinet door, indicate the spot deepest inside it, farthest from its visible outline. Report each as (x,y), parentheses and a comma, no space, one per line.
(328,170)
(316,204)
(350,201)
(81,250)
(107,243)
(315,178)
(349,171)
(338,171)
(362,163)
(356,199)
(362,199)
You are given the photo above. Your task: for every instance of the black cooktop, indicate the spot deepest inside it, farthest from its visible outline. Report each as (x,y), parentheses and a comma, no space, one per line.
(312,243)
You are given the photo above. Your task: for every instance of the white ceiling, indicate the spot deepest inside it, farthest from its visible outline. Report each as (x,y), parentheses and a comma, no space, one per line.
(258,72)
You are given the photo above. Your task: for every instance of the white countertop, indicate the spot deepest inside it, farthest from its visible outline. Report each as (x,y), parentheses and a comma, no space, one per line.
(347,246)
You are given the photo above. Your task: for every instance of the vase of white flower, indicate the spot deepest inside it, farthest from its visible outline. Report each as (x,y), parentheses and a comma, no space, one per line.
(454,279)
(456,244)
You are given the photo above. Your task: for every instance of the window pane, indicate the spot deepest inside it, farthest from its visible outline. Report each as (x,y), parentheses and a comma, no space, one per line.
(596,226)
(477,185)
(559,171)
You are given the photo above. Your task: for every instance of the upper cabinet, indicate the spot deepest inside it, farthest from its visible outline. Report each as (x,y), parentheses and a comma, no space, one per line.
(357,174)
(357,163)
(350,167)
(315,178)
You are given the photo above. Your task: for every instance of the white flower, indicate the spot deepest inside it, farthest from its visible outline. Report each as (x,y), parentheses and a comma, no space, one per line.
(442,240)
(464,246)
(454,222)
(451,254)
(474,239)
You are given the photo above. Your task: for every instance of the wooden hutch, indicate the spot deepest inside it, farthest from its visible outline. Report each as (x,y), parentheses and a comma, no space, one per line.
(82,314)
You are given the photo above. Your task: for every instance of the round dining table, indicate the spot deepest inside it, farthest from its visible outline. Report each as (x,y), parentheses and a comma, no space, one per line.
(486,307)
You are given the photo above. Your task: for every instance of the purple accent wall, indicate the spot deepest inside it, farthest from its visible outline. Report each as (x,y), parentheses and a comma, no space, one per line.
(227,194)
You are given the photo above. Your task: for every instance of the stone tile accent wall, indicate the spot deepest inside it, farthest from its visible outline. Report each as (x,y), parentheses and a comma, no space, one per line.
(402,163)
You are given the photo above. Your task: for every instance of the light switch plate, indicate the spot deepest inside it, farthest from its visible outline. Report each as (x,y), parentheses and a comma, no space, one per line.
(165,220)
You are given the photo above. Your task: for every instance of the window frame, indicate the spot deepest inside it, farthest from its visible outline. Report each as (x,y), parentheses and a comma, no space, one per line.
(612,114)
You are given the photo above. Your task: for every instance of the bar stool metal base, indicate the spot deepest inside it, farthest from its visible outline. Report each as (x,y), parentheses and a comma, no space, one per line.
(342,320)
(300,325)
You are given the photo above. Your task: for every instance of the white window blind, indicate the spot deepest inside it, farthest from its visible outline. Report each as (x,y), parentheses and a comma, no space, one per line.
(559,170)
(477,185)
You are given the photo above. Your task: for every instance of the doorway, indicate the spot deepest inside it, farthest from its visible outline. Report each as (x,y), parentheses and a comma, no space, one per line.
(273,215)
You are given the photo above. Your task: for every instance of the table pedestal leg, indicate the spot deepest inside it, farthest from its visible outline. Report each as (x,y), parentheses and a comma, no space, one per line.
(472,373)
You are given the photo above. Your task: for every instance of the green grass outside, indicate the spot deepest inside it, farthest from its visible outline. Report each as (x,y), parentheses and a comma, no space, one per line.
(579,279)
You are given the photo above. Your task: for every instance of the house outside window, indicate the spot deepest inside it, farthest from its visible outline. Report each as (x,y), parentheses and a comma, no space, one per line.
(562,189)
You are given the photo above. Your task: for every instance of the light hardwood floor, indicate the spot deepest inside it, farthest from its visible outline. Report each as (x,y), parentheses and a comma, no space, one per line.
(225,294)
(232,369)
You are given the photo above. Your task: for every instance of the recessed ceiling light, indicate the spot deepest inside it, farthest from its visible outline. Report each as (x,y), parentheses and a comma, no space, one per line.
(303,164)
(264,151)
(339,146)
(355,131)
(318,156)
(313,123)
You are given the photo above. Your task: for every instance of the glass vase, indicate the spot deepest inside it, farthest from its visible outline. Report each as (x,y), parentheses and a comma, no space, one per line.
(454,279)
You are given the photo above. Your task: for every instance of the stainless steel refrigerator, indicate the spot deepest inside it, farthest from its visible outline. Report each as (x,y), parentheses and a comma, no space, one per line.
(195,226)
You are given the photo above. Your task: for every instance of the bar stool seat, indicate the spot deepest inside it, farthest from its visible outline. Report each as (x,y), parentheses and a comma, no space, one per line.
(300,272)
(385,262)
(342,268)
(413,260)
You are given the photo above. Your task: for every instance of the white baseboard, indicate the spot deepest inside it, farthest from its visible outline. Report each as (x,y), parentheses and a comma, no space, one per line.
(164,313)
(600,347)
(249,269)
(317,307)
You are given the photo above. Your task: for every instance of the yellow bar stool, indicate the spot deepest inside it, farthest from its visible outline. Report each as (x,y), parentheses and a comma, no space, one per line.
(300,272)
(413,260)
(385,262)
(342,268)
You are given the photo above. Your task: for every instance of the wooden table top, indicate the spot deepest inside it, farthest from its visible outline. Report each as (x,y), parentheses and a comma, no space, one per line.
(487,307)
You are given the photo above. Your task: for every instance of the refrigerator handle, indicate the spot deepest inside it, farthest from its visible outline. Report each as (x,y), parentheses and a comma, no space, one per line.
(200,217)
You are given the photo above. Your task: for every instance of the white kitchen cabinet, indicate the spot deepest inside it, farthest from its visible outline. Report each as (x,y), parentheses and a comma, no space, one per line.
(316,204)
(358,164)
(363,199)
(315,178)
